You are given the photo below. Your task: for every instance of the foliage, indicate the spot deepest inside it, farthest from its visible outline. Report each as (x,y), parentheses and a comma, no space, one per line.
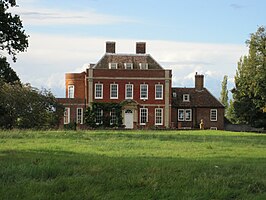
(224,93)
(27,107)
(12,36)
(7,74)
(132,165)
(250,82)
(106,108)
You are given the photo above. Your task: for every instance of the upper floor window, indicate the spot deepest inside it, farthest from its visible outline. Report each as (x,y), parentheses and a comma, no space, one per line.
(114,91)
(159,91)
(185,97)
(129,91)
(158,116)
(67,116)
(128,65)
(143,116)
(143,65)
(79,115)
(112,65)
(174,95)
(71,91)
(98,91)
(213,114)
(144,91)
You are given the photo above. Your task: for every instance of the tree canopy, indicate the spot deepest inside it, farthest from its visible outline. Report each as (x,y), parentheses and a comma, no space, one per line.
(12,35)
(250,82)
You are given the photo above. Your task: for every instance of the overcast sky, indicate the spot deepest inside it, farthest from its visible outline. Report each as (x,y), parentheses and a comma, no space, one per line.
(188,36)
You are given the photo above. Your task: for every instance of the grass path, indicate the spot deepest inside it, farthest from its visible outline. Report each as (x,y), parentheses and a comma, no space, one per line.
(132,165)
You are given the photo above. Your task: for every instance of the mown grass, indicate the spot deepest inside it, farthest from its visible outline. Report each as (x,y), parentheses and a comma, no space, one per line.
(132,165)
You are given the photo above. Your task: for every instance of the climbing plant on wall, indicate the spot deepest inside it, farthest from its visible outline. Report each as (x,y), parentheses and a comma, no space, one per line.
(94,119)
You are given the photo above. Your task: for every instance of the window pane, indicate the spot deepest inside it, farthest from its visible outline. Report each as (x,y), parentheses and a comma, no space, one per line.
(71,91)
(99,116)
(114,91)
(143,116)
(158,116)
(113,118)
(98,91)
(80,115)
(180,115)
(213,115)
(129,91)
(67,116)
(158,91)
(188,115)
(144,91)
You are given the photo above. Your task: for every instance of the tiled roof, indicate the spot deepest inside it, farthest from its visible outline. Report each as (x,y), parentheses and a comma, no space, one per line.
(201,98)
(121,59)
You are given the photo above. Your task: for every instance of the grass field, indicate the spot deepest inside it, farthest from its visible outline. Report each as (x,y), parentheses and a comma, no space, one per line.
(132,165)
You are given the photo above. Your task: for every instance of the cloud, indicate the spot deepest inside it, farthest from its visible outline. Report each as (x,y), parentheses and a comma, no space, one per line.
(49,57)
(44,16)
(236,6)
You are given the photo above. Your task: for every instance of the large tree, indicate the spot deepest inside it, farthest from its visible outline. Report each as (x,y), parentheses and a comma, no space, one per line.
(7,74)
(12,35)
(250,82)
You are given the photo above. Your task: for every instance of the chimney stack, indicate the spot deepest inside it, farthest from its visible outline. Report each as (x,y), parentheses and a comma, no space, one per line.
(141,47)
(110,47)
(199,82)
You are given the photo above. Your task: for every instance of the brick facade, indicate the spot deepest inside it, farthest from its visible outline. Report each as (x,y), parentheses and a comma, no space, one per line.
(115,74)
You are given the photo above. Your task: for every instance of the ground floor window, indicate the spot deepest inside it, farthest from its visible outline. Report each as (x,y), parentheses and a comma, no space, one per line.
(99,116)
(79,115)
(67,116)
(143,116)
(213,114)
(184,114)
(158,116)
(113,117)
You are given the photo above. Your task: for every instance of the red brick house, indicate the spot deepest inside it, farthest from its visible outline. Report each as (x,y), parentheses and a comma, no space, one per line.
(135,80)
(143,88)
(191,105)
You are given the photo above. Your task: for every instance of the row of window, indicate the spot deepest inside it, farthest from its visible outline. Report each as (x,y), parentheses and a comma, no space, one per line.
(113,118)
(186,115)
(142,66)
(129,90)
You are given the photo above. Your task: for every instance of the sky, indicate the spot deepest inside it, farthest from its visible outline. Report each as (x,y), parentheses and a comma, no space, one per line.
(187,36)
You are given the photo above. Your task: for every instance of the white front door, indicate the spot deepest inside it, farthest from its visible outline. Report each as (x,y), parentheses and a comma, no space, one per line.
(129,119)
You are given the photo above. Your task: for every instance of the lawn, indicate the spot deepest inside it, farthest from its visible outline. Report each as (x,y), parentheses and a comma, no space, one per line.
(132,165)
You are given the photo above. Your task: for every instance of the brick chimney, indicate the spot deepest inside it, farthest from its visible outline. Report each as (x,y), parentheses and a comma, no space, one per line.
(199,82)
(141,47)
(110,47)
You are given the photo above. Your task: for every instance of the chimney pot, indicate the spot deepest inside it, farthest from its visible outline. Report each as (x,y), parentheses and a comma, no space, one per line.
(141,47)
(110,47)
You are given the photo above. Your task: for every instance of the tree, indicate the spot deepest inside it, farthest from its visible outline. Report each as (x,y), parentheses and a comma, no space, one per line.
(250,82)
(224,93)
(27,107)
(12,36)
(7,74)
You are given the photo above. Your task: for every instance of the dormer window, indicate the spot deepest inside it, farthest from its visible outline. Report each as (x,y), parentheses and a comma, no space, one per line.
(112,65)
(186,97)
(128,65)
(174,94)
(143,66)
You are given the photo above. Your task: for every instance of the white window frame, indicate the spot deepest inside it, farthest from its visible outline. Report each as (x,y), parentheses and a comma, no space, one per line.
(156,116)
(184,111)
(101,115)
(213,118)
(147,95)
(111,91)
(95,91)
(132,91)
(186,98)
(142,111)
(128,65)
(113,117)
(80,117)
(112,65)
(71,95)
(190,115)
(159,85)
(143,66)
(67,114)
